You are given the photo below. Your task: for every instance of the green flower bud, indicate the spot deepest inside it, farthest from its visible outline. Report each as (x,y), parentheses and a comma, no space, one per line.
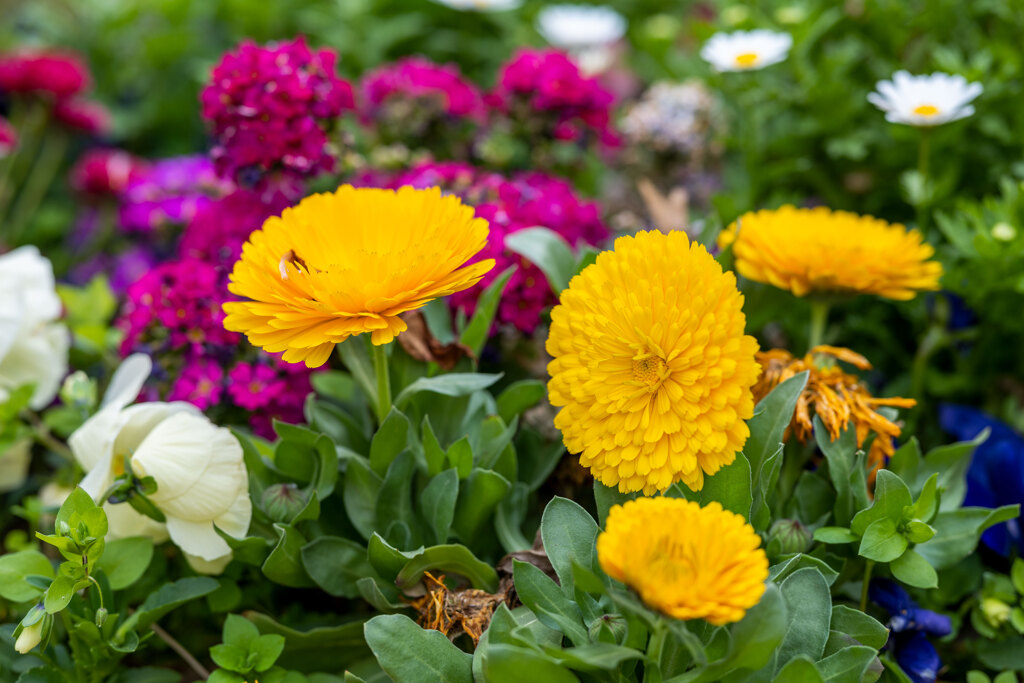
(79,391)
(789,536)
(282,502)
(101,616)
(609,629)
(996,611)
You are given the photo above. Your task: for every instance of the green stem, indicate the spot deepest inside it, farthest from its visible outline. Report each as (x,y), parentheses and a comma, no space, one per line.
(864,586)
(29,122)
(380,364)
(39,180)
(99,590)
(819,319)
(652,666)
(923,151)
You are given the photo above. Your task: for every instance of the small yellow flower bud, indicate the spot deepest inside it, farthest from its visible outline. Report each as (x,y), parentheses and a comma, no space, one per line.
(996,611)
(29,638)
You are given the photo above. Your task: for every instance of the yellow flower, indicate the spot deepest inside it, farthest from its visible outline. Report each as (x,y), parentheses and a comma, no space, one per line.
(344,263)
(651,367)
(685,561)
(823,251)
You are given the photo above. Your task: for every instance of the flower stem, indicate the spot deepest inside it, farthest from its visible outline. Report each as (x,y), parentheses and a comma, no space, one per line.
(44,170)
(819,318)
(380,364)
(30,122)
(864,586)
(652,667)
(923,150)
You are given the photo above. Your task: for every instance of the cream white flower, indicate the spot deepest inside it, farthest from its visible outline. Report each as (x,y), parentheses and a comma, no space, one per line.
(746,50)
(588,32)
(925,100)
(29,637)
(14,463)
(33,345)
(198,467)
(481,5)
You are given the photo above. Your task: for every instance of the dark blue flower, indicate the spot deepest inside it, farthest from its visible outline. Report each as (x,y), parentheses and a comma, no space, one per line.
(910,625)
(996,475)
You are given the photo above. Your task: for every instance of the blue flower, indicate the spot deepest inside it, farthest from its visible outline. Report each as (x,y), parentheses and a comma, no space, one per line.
(910,626)
(996,475)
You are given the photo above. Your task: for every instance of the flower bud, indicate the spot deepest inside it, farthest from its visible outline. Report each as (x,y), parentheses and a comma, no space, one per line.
(101,616)
(996,611)
(79,391)
(788,536)
(609,629)
(29,638)
(1004,232)
(282,502)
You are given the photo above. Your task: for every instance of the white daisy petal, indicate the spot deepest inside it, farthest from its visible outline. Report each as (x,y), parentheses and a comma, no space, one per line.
(925,101)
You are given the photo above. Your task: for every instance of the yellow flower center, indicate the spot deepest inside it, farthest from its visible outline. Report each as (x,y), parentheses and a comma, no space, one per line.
(747,59)
(117,466)
(651,370)
(926,110)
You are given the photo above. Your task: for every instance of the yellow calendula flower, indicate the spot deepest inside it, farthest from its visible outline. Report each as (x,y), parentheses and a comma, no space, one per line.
(650,365)
(685,561)
(349,262)
(820,251)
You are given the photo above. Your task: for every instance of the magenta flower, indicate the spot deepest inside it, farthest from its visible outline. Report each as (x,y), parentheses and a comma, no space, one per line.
(254,386)
(200,383)
(53,73)
(417,78)
(270,109)
(8,137)
(84,116)
(219,228)
(170,191)
(105,172)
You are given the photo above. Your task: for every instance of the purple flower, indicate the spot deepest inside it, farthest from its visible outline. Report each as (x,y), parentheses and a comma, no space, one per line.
(170,191)
(911,625)
(220,227)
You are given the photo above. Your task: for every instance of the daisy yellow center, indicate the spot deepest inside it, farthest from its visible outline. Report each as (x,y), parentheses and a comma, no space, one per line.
(926,110)
(651,370)
(746,59)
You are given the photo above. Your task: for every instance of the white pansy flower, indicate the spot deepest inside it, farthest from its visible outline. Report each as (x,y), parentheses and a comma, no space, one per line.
(588,32)
(29,638)
(481,5)
(198,467)
(925,100)
(33,345)
(746,50)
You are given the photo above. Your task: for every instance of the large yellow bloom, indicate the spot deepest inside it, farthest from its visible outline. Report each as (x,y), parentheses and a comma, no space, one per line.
(685,561)
(823,251)
(344,263)
(651,366)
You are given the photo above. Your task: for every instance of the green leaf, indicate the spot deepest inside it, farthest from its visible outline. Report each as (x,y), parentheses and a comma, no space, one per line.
(454,559)
(1016,574)
(284,563)
(437,503)
(607,497)
(1002,655)
(835,534)
(394,504)
(548,251)
(77,503)
(771,417)
(391,439)
(918,532)
(267,649)
(882,542)
(928,502)
(327,648)
(362,491)
(510,664)
(231,657)
(892,495)
(14,567)
(407,652)
(544,597)
(957,533)
(849,664)
(569,534)
(593,656)
(452,384)
(479,328)
(59,594)
(479,495)
(799,670)
(731,487)
(843,468)
(387,559)
(865,629)
(914,570)
(432,451)
(756,637)
(518,397)
(125,560)
(808,614)
(239,631)
(357,360)
(173,595)
(460,457)
(786,568)
(336,564)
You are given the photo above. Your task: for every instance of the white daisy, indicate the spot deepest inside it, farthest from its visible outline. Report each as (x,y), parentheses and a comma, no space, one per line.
(746,50)
(925,100)
(481,5)
(578,26)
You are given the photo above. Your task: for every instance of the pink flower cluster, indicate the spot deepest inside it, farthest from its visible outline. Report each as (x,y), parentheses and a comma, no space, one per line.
(174,307)
(548,82)
(169,191)
(58,76)
(105,172)
(270,108)
(219,228)
(418,79)
(511,204)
